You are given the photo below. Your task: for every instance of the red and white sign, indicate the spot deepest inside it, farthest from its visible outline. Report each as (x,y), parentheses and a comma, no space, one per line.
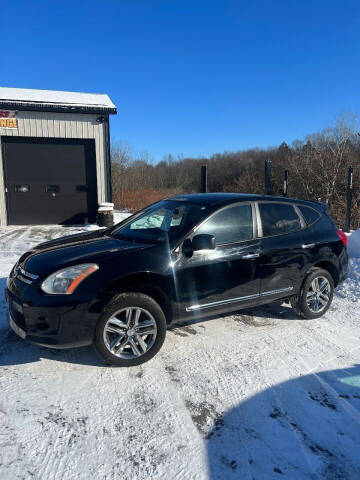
(8,119)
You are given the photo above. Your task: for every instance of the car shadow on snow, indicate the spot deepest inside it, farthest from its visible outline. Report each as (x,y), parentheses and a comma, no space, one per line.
(278,310)
(15,351)
(304,428)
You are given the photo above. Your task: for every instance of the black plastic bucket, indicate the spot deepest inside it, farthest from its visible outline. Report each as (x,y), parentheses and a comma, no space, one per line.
(105,219)
(105,216)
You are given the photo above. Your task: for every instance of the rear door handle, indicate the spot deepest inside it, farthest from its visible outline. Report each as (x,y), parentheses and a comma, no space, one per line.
(308,245)
(250,255)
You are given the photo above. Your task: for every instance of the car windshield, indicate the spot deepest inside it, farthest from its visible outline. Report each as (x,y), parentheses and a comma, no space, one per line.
(164,220)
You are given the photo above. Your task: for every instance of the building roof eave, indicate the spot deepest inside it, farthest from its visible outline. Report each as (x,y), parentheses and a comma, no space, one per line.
(59,108)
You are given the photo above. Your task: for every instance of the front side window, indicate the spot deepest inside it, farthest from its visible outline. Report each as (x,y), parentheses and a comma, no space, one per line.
(231,225)
(278,218)
(164,220)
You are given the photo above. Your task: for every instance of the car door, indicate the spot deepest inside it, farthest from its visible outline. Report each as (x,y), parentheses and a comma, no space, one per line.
(218,280)
(283,248)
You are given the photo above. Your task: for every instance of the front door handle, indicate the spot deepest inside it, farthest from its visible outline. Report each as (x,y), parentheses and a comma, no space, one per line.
(250,255)
(308,245)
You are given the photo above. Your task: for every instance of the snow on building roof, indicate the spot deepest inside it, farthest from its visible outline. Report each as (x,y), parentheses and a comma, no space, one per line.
(45,99)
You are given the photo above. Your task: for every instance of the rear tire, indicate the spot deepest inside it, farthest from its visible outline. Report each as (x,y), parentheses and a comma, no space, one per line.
(130,331)
(316,295)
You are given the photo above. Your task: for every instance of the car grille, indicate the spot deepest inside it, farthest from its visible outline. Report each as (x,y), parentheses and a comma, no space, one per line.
(24,276)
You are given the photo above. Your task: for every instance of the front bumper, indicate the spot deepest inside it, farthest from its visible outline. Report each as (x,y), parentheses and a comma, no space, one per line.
(56,327)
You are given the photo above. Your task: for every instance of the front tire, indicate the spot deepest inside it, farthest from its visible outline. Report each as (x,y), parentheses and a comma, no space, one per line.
(316,295)
(130,331)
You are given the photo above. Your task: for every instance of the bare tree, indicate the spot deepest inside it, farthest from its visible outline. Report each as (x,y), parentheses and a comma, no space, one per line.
(317,167)
(318,162)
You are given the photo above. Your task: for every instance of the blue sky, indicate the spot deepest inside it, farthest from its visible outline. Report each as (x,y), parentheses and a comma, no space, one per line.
(192,77)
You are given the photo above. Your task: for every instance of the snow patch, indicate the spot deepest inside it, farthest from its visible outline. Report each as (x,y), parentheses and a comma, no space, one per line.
(119,215)
(55,97)
(354,244)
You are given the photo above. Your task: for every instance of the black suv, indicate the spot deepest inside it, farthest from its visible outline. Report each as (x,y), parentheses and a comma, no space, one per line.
(191,255)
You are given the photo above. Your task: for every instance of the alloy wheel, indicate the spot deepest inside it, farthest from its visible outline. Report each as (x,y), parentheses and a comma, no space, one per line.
(318,295)
(130,332)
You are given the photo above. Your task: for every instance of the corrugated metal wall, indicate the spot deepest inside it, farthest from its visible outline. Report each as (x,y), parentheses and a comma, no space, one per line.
(61,125)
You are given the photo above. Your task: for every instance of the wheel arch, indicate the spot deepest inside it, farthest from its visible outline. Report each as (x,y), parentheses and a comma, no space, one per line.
(329,267)
(150,284)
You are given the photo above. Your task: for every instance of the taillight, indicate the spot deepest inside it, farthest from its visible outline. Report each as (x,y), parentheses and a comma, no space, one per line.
(342,236)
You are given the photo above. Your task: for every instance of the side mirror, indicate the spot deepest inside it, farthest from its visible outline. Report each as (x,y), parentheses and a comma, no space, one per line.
(203,242)
(187,248)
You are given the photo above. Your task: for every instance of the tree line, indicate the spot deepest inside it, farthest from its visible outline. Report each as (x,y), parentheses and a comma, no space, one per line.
(317,168)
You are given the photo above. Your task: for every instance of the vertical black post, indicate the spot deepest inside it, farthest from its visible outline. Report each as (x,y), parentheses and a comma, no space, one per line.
(286,182)
(268,189)
(203,185)
(349,199)
(109,163)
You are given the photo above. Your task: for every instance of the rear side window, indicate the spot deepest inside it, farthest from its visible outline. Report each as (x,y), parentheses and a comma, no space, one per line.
(231,225)
(310,215)
(278,218)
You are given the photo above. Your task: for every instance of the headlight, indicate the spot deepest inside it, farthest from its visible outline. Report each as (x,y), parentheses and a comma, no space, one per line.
(65,281)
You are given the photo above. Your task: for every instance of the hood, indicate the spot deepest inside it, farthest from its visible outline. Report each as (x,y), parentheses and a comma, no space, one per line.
(73,249)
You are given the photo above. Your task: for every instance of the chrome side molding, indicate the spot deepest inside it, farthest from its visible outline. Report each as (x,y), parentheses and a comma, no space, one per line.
(237,299)
(273,292)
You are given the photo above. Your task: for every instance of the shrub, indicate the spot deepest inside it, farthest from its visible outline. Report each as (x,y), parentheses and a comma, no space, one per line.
(134,200)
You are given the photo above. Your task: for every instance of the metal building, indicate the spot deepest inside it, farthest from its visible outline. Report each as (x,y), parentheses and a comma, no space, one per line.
(54,156)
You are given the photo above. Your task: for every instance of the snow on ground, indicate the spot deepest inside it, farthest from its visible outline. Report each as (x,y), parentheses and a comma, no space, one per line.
(119,216)
(255,395)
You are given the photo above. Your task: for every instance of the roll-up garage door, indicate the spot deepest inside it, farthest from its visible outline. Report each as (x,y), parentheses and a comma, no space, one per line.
(50,181)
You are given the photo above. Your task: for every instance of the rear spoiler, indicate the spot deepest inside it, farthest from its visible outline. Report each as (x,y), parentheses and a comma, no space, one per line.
(320,206)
